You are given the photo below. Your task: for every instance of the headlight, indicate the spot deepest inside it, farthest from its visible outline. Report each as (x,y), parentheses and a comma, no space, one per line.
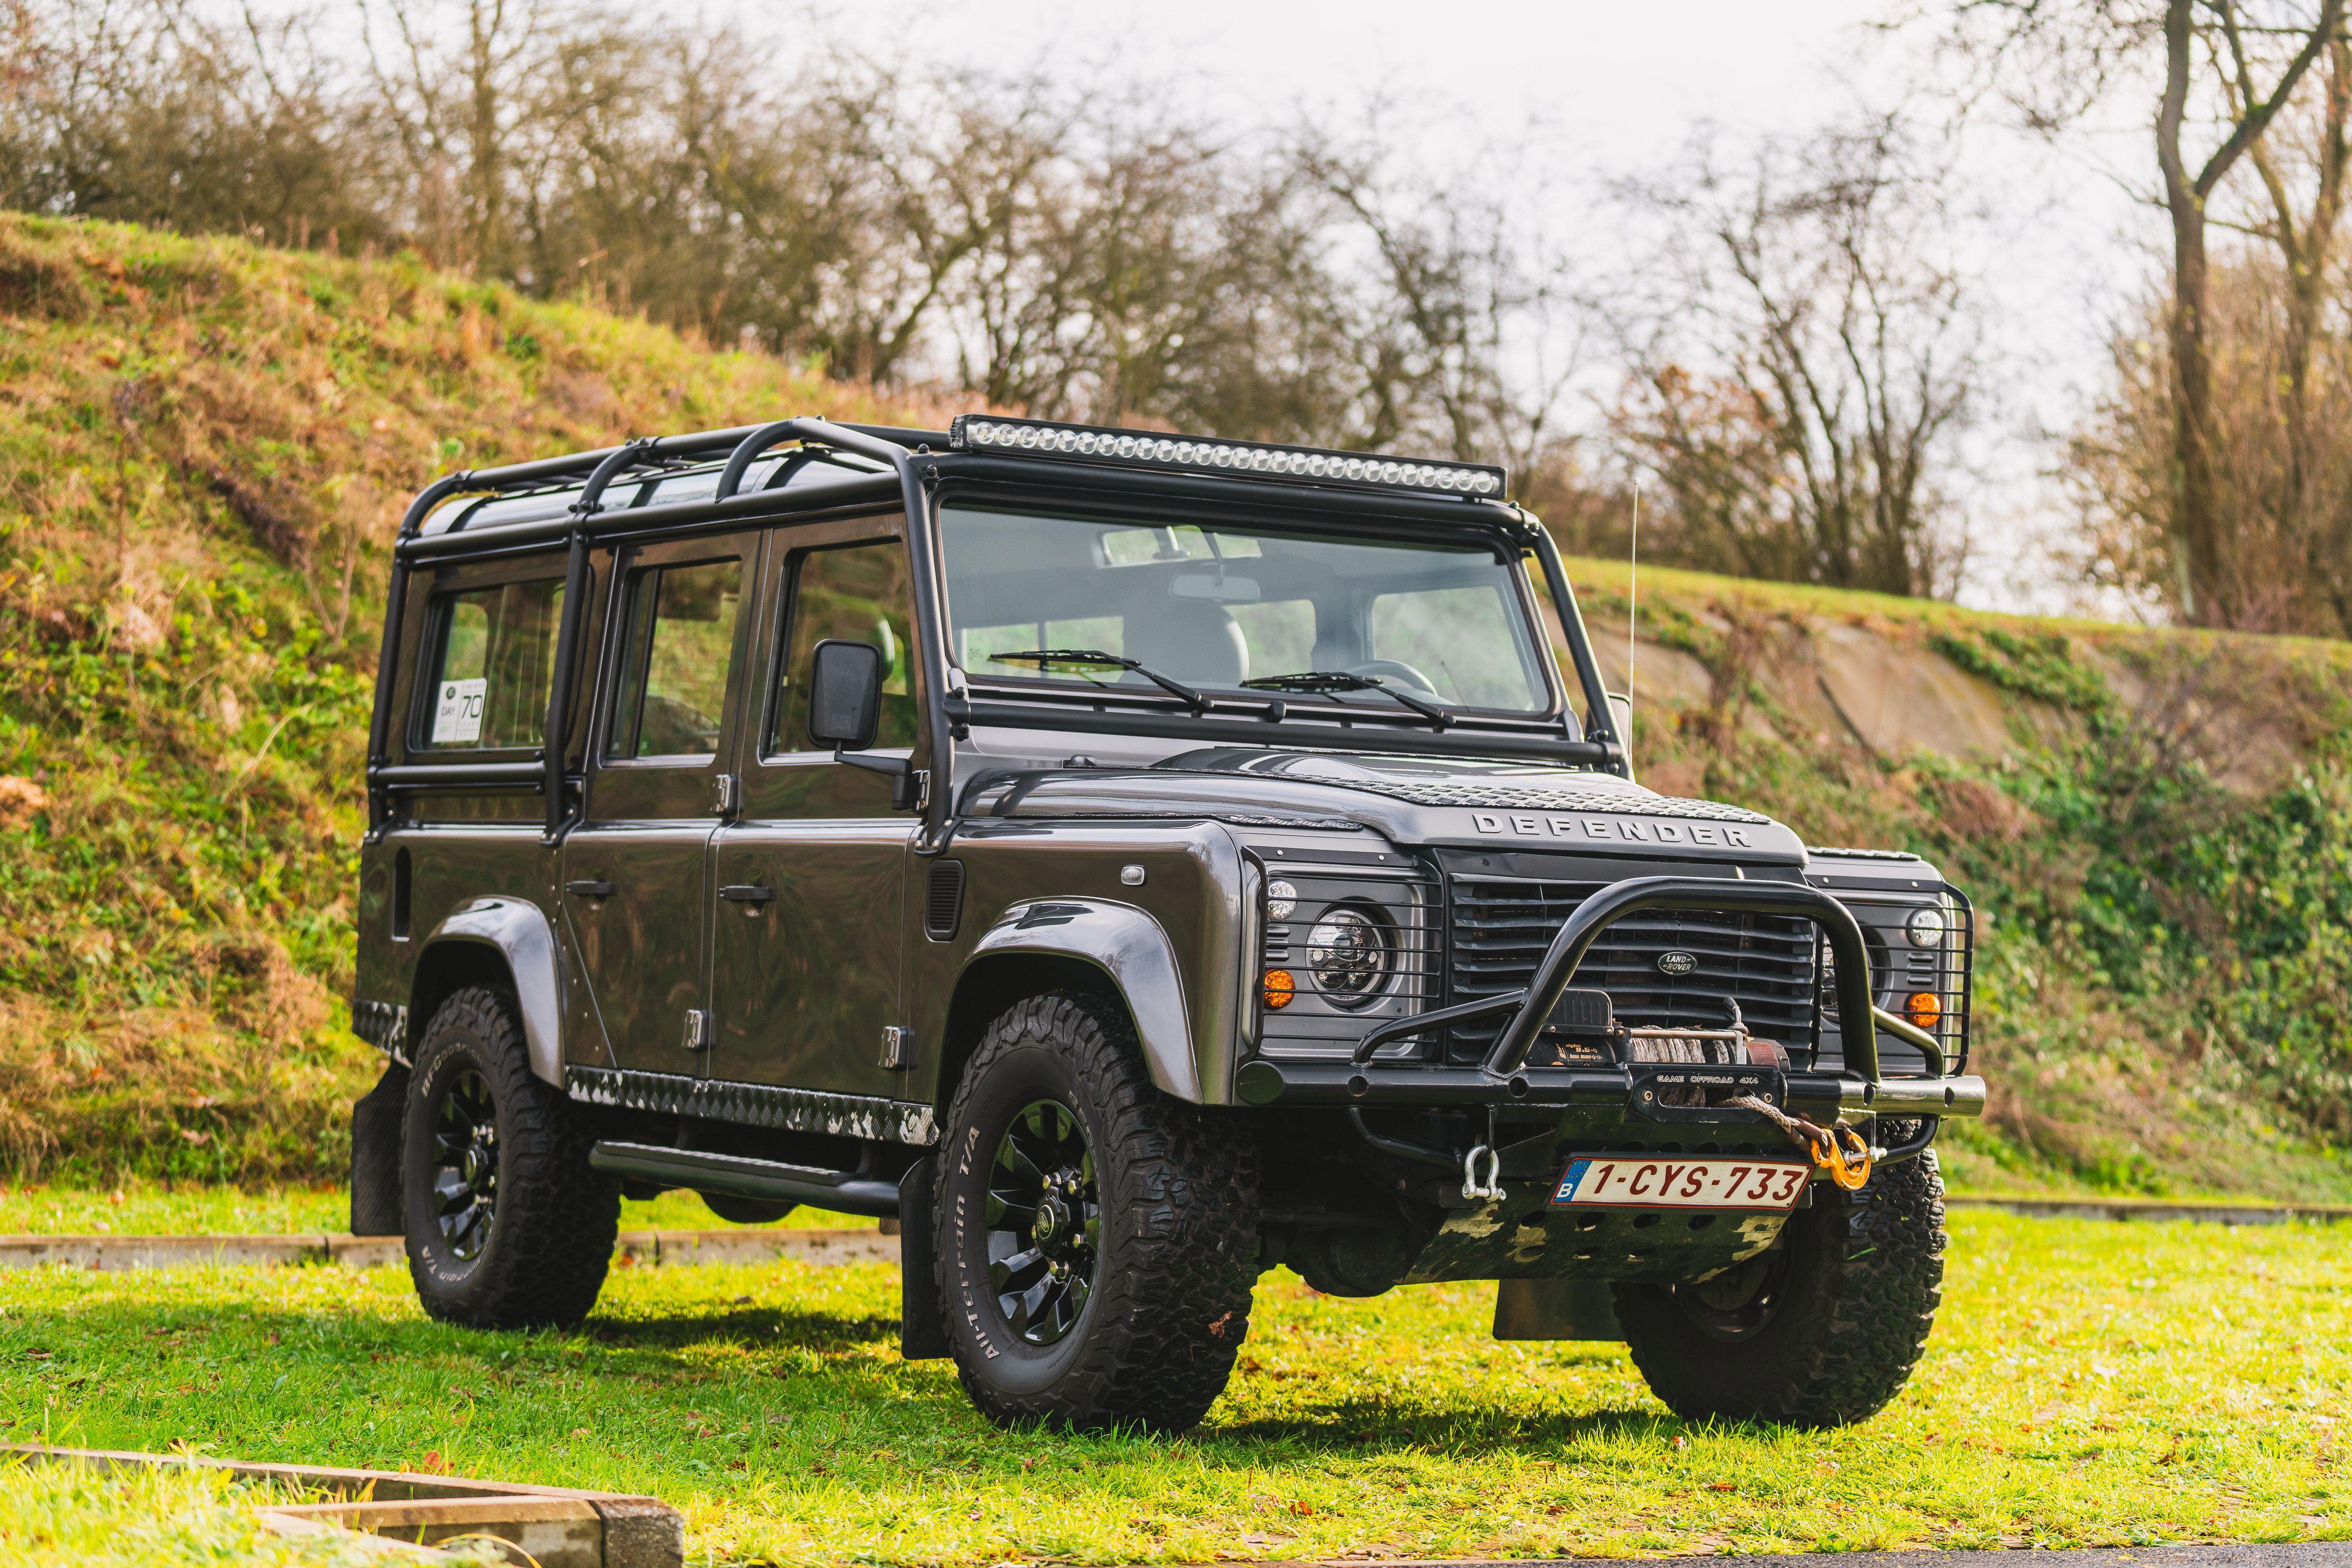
(1925,928)
(1281,897)
(1350,957)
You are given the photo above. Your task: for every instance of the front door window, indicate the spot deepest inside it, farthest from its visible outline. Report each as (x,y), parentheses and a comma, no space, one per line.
(859,592)
(680,634)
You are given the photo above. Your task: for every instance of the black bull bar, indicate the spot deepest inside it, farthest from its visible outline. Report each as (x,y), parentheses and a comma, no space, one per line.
(1503,1079)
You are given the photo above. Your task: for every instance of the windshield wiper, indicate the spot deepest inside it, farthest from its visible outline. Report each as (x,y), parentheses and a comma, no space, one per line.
(1313,681)
(1044,657)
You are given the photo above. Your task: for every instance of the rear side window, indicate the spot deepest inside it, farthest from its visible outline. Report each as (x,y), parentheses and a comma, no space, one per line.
(492,666)
(860,592)
(681,640)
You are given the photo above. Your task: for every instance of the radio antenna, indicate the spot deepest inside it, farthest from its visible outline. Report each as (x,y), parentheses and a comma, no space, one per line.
(1632,596)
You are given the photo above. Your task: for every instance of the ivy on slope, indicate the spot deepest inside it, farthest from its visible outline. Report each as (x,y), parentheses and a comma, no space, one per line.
(2162,863)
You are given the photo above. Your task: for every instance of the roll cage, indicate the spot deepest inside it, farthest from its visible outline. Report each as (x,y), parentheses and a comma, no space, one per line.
(916,468)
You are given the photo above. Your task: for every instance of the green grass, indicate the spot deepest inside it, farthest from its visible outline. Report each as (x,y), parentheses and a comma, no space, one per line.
(141,1208)
(2087,1384)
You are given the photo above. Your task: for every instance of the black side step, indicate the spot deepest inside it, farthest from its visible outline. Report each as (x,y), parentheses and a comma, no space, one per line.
(844,1192)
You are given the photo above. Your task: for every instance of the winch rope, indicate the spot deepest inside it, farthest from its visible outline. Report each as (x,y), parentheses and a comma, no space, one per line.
(1848,1166)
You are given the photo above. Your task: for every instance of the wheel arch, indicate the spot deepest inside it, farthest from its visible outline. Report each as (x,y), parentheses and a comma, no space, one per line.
(1108,949)
(498,942)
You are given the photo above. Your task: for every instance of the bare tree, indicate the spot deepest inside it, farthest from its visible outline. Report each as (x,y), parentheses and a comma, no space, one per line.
(1466,327)
(2221,72)
(153,111)
(1799,381)
(2302,175)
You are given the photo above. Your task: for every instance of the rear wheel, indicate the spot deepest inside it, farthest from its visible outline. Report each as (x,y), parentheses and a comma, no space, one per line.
(507,1224)
(1098,1240)
(1820,1331)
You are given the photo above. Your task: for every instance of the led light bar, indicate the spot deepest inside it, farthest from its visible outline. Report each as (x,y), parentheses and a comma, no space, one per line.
(1196,454)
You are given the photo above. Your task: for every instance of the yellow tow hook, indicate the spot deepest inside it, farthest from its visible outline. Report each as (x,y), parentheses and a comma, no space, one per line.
(1848,1164)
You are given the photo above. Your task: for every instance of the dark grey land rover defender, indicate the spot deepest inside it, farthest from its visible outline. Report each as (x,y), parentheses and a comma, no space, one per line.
(1133,862)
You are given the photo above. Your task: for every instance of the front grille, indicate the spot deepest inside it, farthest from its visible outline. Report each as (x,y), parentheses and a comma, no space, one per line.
(1765,962)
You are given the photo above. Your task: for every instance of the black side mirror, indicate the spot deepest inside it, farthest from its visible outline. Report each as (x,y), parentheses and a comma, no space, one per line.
(845,694)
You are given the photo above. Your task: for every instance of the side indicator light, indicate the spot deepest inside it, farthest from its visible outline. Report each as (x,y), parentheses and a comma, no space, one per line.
(1279,987)
(1924,1008)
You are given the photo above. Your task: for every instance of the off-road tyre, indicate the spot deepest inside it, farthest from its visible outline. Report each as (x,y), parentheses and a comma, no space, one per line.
(553,1220)
(1843,1312)
(1176,1251)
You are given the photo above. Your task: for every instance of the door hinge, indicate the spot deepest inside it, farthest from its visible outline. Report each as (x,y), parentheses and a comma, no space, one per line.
(723,794)
(898,1047)
(911,791)
(698,1029)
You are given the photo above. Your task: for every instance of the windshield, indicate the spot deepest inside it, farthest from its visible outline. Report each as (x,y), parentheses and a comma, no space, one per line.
(1213,606)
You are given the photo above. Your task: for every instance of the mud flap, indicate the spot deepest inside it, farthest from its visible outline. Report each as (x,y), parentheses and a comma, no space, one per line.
(375,1155)
(922,1332)
(1556,1310)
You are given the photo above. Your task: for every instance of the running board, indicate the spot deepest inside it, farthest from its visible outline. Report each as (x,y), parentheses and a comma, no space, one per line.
(844,1192)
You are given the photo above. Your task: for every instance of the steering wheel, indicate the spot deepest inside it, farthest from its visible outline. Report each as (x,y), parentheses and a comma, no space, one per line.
(1394,669)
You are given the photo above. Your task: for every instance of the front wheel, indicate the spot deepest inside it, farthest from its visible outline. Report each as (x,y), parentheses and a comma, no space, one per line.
(1098,1240)
(1822,1331)
(507,1224)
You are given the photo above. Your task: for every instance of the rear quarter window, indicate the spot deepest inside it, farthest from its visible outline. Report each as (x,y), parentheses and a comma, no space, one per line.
(491,666)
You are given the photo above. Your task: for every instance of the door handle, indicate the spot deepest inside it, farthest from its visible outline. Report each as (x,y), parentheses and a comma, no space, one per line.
(590,889)
(745,893)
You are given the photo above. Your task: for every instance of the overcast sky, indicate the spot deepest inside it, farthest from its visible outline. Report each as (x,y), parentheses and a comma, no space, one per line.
(1585,91)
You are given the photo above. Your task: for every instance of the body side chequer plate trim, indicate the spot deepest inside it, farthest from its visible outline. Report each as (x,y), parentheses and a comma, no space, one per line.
(383,1025)
(756,1104)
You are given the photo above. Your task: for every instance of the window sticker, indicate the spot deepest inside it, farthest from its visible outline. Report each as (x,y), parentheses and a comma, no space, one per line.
(457,717)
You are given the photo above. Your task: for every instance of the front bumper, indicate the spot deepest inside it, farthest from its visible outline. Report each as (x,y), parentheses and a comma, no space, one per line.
(1286,1084)
(1504,1079)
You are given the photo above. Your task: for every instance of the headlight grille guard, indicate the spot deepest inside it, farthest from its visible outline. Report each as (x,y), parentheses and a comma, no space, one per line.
(1500,1077)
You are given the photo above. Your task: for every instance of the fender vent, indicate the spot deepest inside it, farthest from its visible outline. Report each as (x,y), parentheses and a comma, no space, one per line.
(943,901)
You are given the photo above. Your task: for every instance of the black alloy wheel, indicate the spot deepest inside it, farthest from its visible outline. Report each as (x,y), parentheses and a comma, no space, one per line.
(508,1223)
(1044,1222)
(1096,1237)
(466,1164)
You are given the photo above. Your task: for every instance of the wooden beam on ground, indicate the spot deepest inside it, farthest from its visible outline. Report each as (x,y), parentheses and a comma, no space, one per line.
(635,1248)
(556,1527)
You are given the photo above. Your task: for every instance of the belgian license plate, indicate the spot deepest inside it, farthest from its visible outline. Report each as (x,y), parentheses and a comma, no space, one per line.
(1701,1181)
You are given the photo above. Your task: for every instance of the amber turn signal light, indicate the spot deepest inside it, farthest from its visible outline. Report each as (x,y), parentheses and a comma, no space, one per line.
(1279,987)
(1923,1008)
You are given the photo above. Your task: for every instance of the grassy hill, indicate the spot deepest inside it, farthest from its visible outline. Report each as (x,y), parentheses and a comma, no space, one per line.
(204,450)
(205,447)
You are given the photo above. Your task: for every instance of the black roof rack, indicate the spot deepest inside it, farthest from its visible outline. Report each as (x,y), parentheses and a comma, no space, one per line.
(597,471)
